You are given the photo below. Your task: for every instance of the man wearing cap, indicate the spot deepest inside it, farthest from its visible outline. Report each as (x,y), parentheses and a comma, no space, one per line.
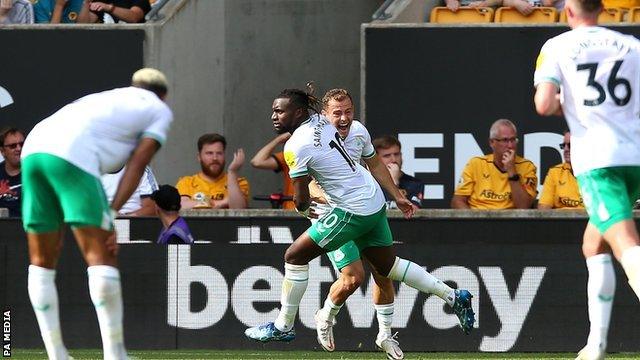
(176,230)
(62,160)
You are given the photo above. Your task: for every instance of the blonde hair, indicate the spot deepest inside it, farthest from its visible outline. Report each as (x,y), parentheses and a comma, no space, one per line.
(150,79)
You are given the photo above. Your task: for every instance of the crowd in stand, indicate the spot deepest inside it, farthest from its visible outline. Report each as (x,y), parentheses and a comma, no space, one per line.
(499,180)
(73,11)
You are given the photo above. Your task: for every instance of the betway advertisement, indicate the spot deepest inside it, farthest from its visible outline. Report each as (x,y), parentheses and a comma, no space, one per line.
(529,287)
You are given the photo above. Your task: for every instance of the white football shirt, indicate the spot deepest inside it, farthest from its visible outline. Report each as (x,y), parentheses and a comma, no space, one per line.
(98,132)
(146,186)
(316,149)
(598,72)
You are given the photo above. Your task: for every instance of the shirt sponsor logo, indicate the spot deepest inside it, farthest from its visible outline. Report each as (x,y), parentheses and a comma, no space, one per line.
(490,194)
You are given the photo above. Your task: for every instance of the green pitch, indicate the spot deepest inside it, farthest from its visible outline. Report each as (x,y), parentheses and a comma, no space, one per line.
(253,354)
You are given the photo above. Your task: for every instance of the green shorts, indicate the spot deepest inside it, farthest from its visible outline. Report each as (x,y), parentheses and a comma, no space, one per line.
(609,194)
(55,191)
(338,227)
(345,255)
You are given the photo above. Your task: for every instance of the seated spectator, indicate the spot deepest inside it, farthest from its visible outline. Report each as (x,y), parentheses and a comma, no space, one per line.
(129,11)
(266,159)
(389,151)
(16,12)
(525,7)
(454,5)
(501,180)
(560,190)
(140,203)
(56,11)
(558,4)
(167,205)
(213,187)
(11,140)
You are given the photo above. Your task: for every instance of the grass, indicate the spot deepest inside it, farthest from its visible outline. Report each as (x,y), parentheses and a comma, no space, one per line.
(253,354)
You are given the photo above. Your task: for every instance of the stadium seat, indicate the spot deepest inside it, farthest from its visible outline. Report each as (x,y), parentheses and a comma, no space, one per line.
(442,15)
(539,15)
(634,14)
(608,15)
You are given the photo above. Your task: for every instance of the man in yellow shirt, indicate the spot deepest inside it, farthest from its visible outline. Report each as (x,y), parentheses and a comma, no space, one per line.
(560,189)
(501,180)
(213,187)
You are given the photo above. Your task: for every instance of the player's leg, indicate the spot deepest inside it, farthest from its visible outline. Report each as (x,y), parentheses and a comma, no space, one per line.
(380,253)
(351,275)
(383,302)
(86,209)
(601,286)
(327,234)
(42,220)
(294,285)
(104,288)
(609,194)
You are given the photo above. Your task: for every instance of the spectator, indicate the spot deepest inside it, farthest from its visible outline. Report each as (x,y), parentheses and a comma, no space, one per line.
(524,7)
(501,180)
(389,151)
(12,140)
(167,205)
(558,4)
(140,203)
(213,187)
(454,5)
(56,11)
(16,12)
(129,11)
(266,159)
(560,189)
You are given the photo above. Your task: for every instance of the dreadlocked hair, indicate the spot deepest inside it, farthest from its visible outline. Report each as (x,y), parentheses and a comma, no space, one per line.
(302,99)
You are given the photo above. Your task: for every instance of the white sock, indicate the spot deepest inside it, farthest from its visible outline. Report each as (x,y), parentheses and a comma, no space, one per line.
(601,288)
(329,310)
(104,288)
(630,261)
(43,294)
(294,285)
(415,276)
(384,314)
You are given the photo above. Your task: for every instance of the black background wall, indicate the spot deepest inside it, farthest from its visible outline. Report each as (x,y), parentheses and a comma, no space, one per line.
(44,70)
(529,287)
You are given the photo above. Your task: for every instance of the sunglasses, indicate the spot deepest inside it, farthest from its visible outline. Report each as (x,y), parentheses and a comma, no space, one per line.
(562,145)
(14,145)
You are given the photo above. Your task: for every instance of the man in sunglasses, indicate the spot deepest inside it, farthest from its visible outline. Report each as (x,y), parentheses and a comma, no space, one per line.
(10,179)
(560,189)
(500,180)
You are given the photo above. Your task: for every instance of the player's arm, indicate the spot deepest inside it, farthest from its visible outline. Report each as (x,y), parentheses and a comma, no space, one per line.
(301,195)
(547,99)
(264,159)
(460,202)
(383,177)
(141,157)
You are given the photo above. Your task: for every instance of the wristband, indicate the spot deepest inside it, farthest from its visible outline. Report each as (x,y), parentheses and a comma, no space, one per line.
(515,177)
